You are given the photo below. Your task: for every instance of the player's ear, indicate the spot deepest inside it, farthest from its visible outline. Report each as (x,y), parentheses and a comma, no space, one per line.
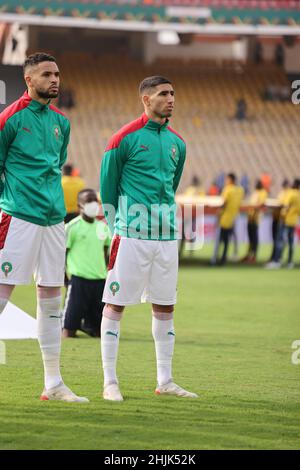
(28,79)
(146,100)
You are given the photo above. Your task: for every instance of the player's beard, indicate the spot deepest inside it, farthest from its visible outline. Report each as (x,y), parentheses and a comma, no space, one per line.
(47,94)
(164,115)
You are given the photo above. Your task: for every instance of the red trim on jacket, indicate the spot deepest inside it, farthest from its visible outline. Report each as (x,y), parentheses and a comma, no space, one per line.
(14,108)
(114,251)
(125,130)
(4,226)
(176,133)
(56,110)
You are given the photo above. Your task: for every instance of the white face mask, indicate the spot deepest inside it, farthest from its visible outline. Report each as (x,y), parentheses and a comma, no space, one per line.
(91,209)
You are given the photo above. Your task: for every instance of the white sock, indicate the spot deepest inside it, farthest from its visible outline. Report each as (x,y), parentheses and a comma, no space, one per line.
(49,336)
(110,333)
(164,338)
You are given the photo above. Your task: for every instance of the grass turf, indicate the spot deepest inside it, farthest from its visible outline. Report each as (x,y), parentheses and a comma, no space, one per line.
(234,326)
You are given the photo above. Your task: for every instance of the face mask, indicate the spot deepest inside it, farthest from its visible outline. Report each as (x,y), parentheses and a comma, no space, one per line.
(91,209)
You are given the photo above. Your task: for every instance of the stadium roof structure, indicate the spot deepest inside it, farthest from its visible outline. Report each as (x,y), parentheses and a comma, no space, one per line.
(184,16)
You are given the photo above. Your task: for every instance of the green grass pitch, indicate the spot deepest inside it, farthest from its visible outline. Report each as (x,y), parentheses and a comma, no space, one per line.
(234,331)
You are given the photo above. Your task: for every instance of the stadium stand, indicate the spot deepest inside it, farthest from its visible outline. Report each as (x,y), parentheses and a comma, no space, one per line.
(106,98)
(257,4)
(230,11)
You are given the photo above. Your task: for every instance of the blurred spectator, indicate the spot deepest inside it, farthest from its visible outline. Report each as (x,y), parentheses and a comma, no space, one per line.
(213,190)
(232,196)
(88,242)
(241,110)
(257,200)
(71,185)
(290,214)
(195,188)
(281,197)
(266,181)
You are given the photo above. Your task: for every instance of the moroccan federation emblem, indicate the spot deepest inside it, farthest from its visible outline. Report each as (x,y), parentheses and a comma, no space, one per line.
(6,268)
(114,287)
(174,152)
(56,131)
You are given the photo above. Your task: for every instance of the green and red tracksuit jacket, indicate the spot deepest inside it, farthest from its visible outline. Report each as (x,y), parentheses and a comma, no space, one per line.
(143,162)
(33,149)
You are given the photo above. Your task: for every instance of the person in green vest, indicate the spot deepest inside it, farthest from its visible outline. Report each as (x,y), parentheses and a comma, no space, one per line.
(88,241)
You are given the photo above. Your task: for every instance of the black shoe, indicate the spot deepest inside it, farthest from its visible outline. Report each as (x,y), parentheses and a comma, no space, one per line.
(94,333)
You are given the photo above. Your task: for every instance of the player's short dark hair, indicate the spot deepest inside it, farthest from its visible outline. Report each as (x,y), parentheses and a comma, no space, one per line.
(37,58)
(232,177)
(152,82)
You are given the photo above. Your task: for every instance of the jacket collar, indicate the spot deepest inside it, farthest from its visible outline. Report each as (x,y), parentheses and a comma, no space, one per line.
(33,104)
(149,124)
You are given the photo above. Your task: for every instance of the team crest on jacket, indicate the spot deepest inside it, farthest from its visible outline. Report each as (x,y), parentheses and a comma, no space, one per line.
(56,131)
(174,152)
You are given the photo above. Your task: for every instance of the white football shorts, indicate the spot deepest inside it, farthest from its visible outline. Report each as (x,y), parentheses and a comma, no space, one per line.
(28,249)
(141,271)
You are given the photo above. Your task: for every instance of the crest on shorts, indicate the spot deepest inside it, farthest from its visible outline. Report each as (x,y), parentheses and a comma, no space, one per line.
(6,268)
(56,131)
(114,287)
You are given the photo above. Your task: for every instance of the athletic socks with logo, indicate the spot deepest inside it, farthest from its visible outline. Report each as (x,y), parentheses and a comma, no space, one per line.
(164,339)
(110,333)
(49,337)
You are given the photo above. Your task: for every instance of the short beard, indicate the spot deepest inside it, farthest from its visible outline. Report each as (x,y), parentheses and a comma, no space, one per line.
(47,95)
(164,115)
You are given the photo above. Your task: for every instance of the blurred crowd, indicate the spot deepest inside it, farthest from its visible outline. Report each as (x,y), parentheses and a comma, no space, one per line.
(285,209)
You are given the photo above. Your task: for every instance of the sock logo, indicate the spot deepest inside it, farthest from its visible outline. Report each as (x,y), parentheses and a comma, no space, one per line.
(6,268)
(111,333)
(171,333)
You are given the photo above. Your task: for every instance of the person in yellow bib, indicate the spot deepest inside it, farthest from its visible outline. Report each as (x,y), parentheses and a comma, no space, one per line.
(290,214)
(71,185)
(256,202)
(232,195)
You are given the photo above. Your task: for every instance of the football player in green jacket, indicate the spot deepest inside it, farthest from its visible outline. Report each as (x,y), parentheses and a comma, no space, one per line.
(34,136)
(140,173)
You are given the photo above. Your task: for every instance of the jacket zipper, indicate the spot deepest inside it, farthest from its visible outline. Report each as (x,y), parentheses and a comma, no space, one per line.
(160,160)
(43,113)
